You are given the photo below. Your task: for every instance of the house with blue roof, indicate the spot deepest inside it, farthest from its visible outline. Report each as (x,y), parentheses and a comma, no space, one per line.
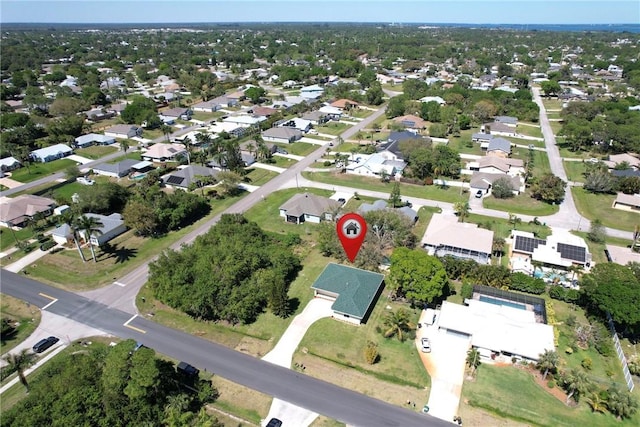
(353,291)
(90,139)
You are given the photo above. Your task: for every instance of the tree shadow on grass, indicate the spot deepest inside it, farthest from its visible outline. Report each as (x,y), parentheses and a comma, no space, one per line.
(121,254)
(292,306)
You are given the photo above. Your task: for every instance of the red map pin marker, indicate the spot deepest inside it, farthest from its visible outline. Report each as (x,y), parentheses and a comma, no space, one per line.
(351,229)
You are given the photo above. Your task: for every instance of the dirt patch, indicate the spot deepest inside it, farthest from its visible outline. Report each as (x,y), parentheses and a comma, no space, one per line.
(556,391)
(241,401)
(475,417)
(366,384)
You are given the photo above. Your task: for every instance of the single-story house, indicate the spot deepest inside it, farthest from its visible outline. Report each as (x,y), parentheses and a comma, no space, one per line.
(297,123)
(304,207)
(123,131)
(245,120)
(263,111)
(112,226)
(9,164)
(499,147)
(344,104)
(311,92)
(481,137)
(560,250)
(616,159)
(62,234)
(411,121)
(396,137)
(507,120)
(209,106)
(627,202)
(49,154)
(484,181)
(164,152)
(283,135)
(352,290)
(437,99)
(497,128)
(332,113)
(497,329)
(98,114)
(379,205)
(182,178)
(90,139)
(178,113)
(122,168)
(377,164)
(625,173)
(14,212)
(252,146)
(499,165)
(446,236)
(316,117)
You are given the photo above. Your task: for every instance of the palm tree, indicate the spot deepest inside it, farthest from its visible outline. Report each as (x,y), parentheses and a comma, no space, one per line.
(620,402)
(397,323)
(70,219)
(203,139)
(166,131)
(462,209)
(548,362)
(124,145)
(19,362)
(498,245)
(596,402)
(473,359)
(576,384)
(90,226)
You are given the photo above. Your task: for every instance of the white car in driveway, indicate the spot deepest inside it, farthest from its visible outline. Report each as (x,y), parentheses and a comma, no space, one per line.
(85,181)
(425,344)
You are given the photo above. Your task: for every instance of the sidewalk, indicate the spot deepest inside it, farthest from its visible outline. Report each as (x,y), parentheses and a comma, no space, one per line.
(28,259)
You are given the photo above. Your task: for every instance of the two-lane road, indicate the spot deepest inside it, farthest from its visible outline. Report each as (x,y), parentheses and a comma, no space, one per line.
(319,396)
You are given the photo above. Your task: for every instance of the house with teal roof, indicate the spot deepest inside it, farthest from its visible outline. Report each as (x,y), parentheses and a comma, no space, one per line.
(354,291)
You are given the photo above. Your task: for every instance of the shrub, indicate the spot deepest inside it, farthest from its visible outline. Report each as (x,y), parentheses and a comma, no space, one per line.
(587,363)
(47,245)
(551,383)
(327,163)
(568,350)
(571,320)
(523,283)
(466,291)
(371,353)
(502,188)
(563,294)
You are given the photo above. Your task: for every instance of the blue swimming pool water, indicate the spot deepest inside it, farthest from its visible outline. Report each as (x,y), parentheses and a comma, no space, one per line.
(495,301)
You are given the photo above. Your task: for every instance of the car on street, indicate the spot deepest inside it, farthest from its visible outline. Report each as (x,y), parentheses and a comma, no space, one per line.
(425,344)
(188,370)
(274,422)
(44,344)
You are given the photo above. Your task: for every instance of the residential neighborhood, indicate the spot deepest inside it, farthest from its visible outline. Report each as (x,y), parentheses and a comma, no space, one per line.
(193,178)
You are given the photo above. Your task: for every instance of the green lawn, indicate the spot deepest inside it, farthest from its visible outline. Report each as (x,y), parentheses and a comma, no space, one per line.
(512,393)
(527,142)
(344,344)
(575,171)
(464,144)
(282,162)
(502,228)
(526,129)
(360,113)
(523,204)
(540,160)
(593,206)
(95,152)
(25,318)
(555,127)
(9,237)
(152,133)
(259,176)
(332,128)
(552,104)
(424,217)
(299,148)
(66,270)
(205,117)
(432,192)
(40,170)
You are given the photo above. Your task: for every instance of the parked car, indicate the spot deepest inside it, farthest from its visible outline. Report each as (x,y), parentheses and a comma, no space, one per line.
(274,422)
(479,194)
(313,131)
(85,181)
(44,344)
(426,345)
(188,370)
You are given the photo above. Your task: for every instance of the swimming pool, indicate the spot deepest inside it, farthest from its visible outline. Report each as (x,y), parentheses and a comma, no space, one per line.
(495,301)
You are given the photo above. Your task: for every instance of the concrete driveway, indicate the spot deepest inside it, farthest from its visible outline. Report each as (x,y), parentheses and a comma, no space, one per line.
(445,364)
(282,354)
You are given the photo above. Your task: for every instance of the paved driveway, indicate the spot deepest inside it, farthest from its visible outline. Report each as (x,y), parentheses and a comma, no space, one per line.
(445,364)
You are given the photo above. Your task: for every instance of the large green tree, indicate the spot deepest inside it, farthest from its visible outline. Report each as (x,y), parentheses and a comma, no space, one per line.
(549,188)
(417,275)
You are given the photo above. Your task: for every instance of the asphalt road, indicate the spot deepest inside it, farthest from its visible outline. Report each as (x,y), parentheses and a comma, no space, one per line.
(302,390)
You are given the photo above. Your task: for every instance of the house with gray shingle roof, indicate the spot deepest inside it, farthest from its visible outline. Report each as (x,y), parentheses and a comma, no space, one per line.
(499,147)
(354,291)
(308,207)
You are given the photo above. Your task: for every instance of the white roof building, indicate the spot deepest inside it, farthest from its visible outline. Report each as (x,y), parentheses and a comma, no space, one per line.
(446,236)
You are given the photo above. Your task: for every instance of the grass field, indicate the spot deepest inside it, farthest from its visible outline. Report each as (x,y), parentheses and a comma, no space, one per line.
(9,237)
(575,171)
(512,393)
(432,192)
(282,162)
(552,104)
(593,206)
(40,170)
(96,151)
(259,176)
(332,128)
(299,148)
(502,228)
(27,317)
(523,204)
(530,129)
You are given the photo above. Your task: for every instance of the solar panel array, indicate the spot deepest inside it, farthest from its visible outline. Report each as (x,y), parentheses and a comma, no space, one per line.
(175,180)
(575,253)
(527,244)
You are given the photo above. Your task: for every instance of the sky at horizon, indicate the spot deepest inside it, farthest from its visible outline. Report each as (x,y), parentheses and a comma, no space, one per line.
(408,11)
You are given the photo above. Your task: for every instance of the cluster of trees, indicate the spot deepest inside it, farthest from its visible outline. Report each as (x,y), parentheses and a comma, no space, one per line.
(386,229)
(598,179)
(426,160)
(153,212)
(548,188)
(230,273)
(114,386)
(141,109)
(417,276)
(604,126)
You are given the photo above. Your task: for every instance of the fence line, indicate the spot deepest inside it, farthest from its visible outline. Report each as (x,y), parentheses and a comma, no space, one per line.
(623,360)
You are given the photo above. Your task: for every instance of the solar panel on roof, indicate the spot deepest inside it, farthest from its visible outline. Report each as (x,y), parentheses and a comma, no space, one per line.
(175,180)
(527,244)
(575,253)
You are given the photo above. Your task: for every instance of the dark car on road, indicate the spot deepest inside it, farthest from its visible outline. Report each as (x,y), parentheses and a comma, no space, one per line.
(188,370)
(44,344)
